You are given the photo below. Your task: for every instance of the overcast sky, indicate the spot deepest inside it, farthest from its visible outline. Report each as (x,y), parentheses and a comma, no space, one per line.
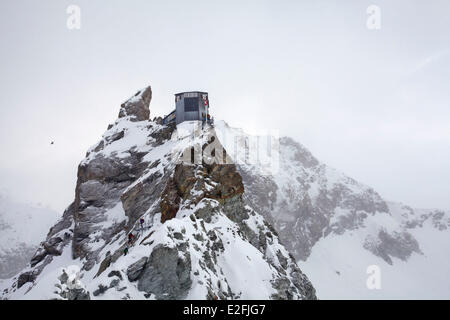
(374,104)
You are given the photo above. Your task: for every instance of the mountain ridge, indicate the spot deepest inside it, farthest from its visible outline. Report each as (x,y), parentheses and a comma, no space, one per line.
(199,240)
(304,211)
(308,203)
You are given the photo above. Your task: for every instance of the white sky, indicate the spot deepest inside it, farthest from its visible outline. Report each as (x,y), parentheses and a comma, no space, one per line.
(373,104)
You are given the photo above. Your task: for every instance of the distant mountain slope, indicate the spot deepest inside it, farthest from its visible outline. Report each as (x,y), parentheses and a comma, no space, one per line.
(338,263)
(22,228)
(337,227)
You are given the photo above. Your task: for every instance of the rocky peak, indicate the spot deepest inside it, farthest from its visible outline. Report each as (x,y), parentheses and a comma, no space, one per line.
(137,107)
(193,183)
(199,241)
(298,153)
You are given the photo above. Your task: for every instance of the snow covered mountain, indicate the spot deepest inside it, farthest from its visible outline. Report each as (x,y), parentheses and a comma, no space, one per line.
(215,231)
(415,245)
(336,228)
(22,227)
(199,240)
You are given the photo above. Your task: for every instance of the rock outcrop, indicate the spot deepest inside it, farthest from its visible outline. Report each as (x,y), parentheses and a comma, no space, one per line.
(137,107)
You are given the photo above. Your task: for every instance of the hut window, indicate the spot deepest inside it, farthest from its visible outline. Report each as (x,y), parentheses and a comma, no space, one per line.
(190,104)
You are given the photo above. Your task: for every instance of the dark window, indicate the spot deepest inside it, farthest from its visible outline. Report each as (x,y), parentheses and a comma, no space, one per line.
(190,104)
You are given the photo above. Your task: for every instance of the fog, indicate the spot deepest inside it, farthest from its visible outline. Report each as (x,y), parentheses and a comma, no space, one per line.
(373,103)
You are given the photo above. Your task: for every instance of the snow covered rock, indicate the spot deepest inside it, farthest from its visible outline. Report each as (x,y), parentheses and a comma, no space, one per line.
(199,239)
(70,286)
(137,107)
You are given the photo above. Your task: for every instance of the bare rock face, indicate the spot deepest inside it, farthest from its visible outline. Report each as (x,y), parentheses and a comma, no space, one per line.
(25,277)
(135,270)
(108,184)
(386,245)
(166,274)
(222,182)
(137,107)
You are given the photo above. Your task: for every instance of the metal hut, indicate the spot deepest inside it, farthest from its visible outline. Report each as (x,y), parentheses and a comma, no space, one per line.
(189,106)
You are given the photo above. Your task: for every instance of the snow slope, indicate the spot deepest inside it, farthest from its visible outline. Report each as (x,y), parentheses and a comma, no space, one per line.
(338,267)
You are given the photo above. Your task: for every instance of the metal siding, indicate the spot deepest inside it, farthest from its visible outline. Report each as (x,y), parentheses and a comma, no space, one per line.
(191,104)
(181,115)
(189,116)
(180,111)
